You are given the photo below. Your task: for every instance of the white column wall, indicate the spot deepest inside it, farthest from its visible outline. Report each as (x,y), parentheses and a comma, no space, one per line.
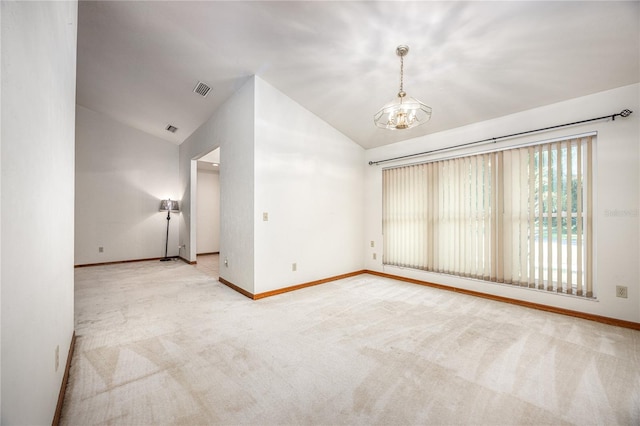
(121,175)
(37,152)
(309,180)
(230,128)
(617,192)
(208,205)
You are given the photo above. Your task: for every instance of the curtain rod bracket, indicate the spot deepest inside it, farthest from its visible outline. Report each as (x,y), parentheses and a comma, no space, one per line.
(624,113)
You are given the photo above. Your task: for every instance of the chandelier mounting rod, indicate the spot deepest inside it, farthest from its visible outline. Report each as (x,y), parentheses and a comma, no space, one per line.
(402,51)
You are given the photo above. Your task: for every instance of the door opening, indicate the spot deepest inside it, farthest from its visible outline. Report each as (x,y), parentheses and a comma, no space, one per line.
(206,219)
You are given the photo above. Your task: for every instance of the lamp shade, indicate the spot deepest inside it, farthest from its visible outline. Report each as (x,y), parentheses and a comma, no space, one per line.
(172,205)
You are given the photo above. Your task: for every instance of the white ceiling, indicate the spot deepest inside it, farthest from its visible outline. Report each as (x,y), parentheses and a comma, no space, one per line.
(138,62)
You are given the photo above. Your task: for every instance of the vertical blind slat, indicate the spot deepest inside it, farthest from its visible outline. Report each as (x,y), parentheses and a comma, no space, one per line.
(486,216)
(558,214)
(507,216)
(549,221)
(540,216)
(499,218)
(569,192)
(531,282)
(472,250)
(523,234)
(589,245)
(579,221)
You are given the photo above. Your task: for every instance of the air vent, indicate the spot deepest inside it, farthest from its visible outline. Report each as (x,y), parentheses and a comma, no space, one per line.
(171,128)
(202,89)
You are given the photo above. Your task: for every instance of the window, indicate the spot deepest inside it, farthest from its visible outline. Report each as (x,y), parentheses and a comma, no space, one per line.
(521,216)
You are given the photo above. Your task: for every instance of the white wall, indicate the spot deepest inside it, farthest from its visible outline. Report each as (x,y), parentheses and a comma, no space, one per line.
(309,179)
(121,176)
(304,173)
(230,128)
(617,190)
(208,218)
(37,151)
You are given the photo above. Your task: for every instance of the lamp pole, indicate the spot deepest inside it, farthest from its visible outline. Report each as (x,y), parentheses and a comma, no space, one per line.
(166,244)
(168,205)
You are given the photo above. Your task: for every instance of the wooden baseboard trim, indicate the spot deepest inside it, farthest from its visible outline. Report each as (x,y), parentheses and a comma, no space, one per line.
(188,262)
(207,254)
(65,380)
(538,306)
(304,285)
(287,289)
(236,288)
(117,262)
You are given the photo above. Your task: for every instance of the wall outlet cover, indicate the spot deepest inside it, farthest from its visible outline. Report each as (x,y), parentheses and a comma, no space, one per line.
(621,291)
(57,357)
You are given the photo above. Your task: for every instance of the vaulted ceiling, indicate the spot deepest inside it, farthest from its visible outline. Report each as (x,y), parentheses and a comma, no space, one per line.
(139,62)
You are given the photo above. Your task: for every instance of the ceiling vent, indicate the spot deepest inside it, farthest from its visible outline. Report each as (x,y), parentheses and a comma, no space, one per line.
(171,128)
(202,89)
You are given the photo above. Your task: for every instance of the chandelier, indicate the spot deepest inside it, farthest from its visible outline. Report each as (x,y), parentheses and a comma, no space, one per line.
(404,112)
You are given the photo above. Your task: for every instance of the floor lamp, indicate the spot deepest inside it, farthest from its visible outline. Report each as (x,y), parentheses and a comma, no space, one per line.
(168,206)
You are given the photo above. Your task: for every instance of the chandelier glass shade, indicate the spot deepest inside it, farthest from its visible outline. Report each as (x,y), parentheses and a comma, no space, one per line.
(403,112)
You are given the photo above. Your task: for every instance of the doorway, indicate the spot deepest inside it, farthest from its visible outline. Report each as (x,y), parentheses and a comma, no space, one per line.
(207,213)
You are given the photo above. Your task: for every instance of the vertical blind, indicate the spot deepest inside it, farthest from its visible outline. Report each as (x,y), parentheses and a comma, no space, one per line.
(521,216)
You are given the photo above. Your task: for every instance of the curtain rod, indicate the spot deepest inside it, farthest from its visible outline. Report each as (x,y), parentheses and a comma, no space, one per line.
(623,113)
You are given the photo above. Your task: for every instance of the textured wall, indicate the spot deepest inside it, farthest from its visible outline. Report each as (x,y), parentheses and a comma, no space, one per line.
(121,176)
(38,115)
(236,141)
(309,179)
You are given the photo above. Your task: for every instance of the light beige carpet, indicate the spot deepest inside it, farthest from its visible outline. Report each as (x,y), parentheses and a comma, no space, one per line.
(163,343)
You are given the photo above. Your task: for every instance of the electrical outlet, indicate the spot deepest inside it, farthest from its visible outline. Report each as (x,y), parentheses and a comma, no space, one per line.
(294,267)
(621,291)
(226,262)
(373,243)
(57,357)
(375,256)
(100,249)
(265,216)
